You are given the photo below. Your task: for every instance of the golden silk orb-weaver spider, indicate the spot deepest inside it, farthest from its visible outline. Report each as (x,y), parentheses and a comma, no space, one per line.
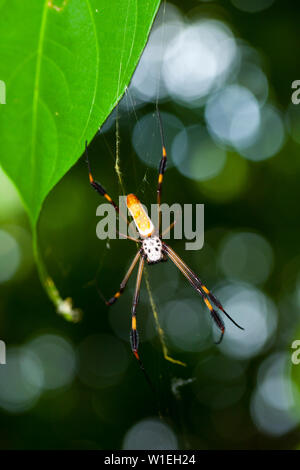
(154,250)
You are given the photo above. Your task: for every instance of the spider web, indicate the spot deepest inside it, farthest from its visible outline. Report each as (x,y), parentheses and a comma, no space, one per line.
(119,174)
(142,185)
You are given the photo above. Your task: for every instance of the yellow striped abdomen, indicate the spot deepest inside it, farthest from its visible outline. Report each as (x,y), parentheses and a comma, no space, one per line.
(140,217)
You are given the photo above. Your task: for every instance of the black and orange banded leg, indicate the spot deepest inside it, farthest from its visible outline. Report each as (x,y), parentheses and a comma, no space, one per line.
(97,186)
(123,284)
(203,288)
(215,316)
(134,337)
(206,295)
(217,319)
(161,171)
(162,166)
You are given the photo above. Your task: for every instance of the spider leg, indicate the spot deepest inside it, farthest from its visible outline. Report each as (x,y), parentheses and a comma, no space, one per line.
(168,229)
(205,291)
(123,284)
(220,324)
(99,188)
(122,235)
(195,283)
(134,337)
(162,166)
(214,299)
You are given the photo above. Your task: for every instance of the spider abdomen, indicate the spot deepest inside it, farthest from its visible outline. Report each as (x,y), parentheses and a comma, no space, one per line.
(152,248)
(141,219)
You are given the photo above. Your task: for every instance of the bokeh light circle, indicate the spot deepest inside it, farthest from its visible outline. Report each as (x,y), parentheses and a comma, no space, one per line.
(10,200)
(197,59)
(233,116)
(272,405)
(150,434)
(57,357)
(146,137)
(269,138)
(147,84)
(252,6)
(223,187)
(252,77)
(10,256)
(21,380)
(247,257)
(196,155)
(188,328)
(254,311)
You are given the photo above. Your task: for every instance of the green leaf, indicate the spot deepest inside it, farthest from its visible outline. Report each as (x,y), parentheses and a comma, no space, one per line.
(66,64)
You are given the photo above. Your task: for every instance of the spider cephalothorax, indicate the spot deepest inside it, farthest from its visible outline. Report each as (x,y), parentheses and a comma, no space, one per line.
(153,249)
